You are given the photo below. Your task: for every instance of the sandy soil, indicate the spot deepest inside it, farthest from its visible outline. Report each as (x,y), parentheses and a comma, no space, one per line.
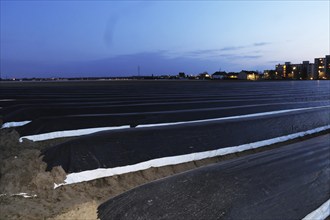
(23,171)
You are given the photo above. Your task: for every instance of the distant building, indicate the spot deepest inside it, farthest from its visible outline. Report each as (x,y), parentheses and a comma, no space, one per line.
(311,72)
(204,75)
(279,71)
(219,75)
(295,71)
(232,75)
(287,70)
(284,71)
(270,74)
(182,75)
(248,75)
(319,68)
(304,70)
(307,71)
(327,66)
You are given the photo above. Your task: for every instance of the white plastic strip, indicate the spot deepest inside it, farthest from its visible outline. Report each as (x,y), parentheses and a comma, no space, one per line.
(25,195)
(69,133)
(233,117)
(14,124)
(159,162)
(321,213)
(79,132)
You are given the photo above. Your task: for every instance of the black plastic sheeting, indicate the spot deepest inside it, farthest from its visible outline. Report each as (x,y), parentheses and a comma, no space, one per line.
(32,100)
(58,106)
(130,146)
(32,113)
(285,183)
(50,124)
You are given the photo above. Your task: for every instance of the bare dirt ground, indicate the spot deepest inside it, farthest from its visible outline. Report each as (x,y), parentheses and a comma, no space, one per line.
(23,171)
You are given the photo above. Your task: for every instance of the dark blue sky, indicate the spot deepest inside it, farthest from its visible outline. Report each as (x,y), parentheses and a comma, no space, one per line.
(108,38)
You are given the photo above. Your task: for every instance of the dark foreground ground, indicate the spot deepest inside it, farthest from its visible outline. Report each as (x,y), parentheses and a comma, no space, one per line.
(291,177)
(285,183)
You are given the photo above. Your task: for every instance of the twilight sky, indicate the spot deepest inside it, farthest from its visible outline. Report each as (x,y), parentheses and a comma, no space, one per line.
(111,38)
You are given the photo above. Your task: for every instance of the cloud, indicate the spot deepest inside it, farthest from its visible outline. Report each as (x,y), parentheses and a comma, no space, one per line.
(249,56)
(239,57)
(258,44)
(208,53)
(219,51)
(232,48)
(203,52)
(156,62)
